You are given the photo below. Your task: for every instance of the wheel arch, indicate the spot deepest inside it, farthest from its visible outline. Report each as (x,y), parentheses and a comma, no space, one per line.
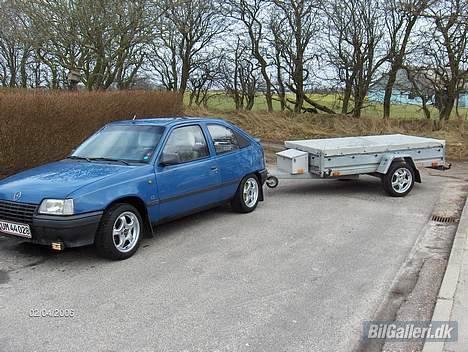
(417,176)
(388,160)
(140,205)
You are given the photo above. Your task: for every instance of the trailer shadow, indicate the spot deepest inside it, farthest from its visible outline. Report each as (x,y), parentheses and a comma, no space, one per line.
(364,185)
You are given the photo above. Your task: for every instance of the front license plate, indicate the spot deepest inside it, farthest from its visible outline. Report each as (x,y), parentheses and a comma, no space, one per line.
(14,229)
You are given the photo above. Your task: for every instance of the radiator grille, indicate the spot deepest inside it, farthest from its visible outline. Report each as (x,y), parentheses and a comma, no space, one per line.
(17,212)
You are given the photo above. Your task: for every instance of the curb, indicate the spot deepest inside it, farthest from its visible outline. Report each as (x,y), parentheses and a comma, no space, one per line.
(445,298)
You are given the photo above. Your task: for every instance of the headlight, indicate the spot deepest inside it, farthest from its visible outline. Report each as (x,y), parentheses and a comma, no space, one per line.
(57,207)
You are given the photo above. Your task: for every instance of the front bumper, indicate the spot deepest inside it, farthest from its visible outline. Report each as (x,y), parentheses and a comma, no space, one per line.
(72,231)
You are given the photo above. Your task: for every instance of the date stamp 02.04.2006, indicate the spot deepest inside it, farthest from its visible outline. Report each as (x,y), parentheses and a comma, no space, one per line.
(52,313)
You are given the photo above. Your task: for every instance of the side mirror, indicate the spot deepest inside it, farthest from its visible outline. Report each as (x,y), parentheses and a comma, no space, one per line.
(169,159)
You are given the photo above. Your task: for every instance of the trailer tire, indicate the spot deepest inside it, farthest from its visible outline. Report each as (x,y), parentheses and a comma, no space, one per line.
(399,180)
(272,182)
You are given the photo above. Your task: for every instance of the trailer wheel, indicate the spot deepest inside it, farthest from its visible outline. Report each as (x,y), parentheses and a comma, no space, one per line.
(399,180)
(272,181)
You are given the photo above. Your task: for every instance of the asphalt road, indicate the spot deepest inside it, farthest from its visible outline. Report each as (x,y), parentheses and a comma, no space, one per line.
(301,273)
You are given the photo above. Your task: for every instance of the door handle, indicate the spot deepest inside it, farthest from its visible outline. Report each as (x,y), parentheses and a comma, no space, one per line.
(214,168)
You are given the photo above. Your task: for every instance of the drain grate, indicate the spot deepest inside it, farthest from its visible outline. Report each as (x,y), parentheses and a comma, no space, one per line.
(444,219)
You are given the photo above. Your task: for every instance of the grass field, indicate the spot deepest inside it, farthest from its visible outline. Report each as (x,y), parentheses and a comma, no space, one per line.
(280,126)
(222,103)
(277,127)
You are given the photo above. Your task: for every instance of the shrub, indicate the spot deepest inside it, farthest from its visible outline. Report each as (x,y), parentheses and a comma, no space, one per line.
(39,126)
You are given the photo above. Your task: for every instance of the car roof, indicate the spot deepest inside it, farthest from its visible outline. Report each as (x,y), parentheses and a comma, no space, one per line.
(166,121)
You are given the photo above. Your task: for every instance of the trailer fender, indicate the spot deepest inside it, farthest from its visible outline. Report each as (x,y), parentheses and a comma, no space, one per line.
(388,159)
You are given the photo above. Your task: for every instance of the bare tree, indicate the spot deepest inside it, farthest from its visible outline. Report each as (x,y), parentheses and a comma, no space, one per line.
(164,52)
(400,19)
(278,43)
(15,49)
(444,46)
(187,29)
(251,13)
(421,87)
(301,24)
(204,78)
(355,37)
(103,40)
(241,77)
(339,49)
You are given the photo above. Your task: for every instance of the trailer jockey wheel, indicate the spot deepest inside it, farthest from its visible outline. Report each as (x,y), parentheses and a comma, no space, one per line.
(272,181)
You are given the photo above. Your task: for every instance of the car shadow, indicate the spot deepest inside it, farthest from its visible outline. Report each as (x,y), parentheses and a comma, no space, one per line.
(30,255)
(169,228)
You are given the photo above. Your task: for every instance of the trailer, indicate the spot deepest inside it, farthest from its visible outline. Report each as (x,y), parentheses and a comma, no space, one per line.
(393,158)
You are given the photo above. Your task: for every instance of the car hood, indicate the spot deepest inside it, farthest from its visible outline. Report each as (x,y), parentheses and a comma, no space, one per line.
(55,180)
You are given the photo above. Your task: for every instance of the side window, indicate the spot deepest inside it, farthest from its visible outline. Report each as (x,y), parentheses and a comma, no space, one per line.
(224,139)
(185,144)
(243,142)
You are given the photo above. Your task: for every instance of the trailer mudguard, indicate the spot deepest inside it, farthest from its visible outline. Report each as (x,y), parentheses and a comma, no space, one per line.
(388,159)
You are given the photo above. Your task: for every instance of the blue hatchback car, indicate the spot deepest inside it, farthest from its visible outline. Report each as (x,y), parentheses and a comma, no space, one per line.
(130,176)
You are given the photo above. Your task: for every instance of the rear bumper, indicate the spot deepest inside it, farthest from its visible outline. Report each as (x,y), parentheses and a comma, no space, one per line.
(72,231)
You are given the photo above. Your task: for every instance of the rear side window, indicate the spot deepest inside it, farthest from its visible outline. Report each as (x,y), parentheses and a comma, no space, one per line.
(243,141)
(226,140)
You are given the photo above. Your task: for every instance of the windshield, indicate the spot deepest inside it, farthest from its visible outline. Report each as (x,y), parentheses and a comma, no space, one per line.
(129,143)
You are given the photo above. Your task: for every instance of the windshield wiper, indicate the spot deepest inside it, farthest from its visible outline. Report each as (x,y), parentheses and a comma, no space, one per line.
(74,157)
(110,159)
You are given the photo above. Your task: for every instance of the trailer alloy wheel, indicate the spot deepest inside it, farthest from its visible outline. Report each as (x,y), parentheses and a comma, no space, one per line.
(399,179)
(272,181)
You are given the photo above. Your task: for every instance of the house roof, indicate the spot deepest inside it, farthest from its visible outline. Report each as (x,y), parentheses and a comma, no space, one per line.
(404,84)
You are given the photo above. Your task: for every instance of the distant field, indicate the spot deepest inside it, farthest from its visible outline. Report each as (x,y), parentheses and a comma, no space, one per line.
(277,127)
(223,103)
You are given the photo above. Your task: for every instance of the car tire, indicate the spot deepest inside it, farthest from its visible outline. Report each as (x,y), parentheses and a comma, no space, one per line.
(399,180)
(247,195)
(120,232)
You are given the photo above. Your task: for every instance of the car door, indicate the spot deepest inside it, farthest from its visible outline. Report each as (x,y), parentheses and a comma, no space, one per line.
(186,174)
(232,155)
